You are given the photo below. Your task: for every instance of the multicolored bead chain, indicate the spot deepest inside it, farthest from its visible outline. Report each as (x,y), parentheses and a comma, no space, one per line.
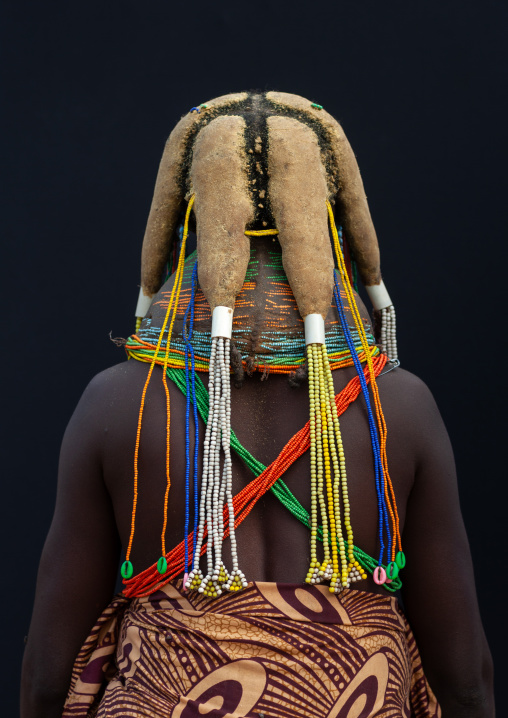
(277,352)
(127,568)
(142,350)
(389,494)
(189,358)
(216,485)
(378,466)
(220,513)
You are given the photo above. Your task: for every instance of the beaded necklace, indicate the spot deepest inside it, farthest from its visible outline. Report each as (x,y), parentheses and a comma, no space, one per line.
(127,569)
(189,357)
(378,467)
(278,349)
(219,512)
(397,561)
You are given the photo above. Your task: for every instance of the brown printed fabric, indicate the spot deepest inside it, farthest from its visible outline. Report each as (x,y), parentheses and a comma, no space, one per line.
(273,649)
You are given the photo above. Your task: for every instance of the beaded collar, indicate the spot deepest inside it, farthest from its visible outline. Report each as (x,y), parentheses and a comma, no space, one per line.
(275,345)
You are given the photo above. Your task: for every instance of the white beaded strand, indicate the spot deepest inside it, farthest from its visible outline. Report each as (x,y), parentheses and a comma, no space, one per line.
(392,336)
(217,481)
(389,333)
(236,579)
(208,585)
(220,575)
(195,577)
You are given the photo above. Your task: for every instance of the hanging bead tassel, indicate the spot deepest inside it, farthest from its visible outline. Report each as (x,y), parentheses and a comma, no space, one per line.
(388,332)
(329,492)
(190,394)
(217,483)
(195,579)
(236,580)
(387,505)
(209,585)
(169,320)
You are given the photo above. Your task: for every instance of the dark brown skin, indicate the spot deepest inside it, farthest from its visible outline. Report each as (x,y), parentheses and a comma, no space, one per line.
(92,520)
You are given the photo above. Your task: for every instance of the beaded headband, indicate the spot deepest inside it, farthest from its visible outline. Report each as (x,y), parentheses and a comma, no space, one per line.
(252,165)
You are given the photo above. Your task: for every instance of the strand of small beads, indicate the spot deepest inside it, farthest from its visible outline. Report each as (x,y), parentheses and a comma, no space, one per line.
(217,484)
(328,472)
(190,384)
(126,569)
(389,332)
(215,518)
(380,299)
(195,578)
(383,528)
(236,580)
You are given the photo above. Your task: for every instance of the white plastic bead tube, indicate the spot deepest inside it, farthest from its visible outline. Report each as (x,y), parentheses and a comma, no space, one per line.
(222,322)
(314,326)
(143,304)
(379,296)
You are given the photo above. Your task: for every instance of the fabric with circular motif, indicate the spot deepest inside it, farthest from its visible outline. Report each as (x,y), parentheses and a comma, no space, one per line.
(270,650)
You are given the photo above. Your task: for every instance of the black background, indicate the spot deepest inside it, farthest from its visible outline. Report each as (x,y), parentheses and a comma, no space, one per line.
(91,93)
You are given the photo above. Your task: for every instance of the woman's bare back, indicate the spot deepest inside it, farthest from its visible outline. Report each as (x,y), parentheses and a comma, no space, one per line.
(272,544)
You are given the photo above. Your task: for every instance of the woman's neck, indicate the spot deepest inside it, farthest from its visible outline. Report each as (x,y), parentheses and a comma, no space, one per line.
(266,319)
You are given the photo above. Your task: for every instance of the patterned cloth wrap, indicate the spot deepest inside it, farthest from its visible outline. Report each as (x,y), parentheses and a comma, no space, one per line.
(272,649)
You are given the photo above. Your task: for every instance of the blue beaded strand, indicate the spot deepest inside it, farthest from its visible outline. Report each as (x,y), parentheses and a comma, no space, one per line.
(189,358)
(195,405)
(378,464)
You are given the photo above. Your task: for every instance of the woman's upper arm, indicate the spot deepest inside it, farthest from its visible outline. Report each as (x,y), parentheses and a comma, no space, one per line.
(78,566)
(439,589)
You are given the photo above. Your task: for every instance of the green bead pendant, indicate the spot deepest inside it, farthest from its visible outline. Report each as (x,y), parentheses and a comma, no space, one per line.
(162,565)
(400,559)
(126,570)
(392,570)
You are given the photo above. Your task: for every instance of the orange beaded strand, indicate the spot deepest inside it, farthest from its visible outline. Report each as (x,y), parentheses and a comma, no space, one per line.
(172,302)
(389,491)
(174,294)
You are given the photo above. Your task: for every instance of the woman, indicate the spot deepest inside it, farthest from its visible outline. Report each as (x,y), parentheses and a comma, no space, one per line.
(264,177)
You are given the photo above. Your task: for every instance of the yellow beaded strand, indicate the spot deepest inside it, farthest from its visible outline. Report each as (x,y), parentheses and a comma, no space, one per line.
(127,566)
(389,492)
(260,232)
(327,445)
(334,496)
(328,481)
(314,564)
(320,464)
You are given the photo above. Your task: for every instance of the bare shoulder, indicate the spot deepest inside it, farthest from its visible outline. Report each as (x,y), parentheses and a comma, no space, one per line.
(411,410)
(406,387)
(108,403)
(117,385)
(117,377)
